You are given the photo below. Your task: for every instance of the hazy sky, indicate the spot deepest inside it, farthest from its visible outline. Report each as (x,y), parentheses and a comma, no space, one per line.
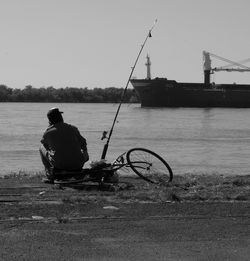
(93,43)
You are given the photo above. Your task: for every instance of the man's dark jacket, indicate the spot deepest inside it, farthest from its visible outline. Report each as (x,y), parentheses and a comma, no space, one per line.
(65,145)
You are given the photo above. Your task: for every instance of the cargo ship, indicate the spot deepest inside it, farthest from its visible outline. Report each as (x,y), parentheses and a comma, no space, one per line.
(162,92)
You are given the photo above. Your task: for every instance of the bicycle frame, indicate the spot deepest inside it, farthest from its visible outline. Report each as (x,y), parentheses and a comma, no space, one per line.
(119,163)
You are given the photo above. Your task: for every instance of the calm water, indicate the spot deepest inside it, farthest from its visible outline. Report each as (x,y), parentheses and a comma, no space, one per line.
(191,140)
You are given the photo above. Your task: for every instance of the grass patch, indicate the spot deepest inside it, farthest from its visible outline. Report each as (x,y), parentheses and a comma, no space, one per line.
(188,187)
(204,187)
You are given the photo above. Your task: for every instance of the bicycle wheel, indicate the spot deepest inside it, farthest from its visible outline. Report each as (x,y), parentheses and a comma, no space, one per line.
(149,166)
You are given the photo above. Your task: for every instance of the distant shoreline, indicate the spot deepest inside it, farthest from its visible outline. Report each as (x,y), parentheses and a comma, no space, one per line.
(67,102)
(68,94)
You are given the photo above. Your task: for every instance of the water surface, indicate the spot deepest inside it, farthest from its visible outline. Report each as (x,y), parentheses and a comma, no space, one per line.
(215,140)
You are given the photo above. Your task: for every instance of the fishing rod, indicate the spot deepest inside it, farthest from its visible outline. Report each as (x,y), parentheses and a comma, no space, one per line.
(105,148)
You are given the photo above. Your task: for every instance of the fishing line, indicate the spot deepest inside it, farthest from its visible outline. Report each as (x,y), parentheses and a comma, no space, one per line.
(105,148)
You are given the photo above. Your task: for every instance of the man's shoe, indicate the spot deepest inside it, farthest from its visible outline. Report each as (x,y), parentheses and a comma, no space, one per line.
(48,181)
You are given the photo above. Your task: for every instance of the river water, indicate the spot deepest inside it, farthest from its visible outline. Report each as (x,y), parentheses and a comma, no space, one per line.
(192,140)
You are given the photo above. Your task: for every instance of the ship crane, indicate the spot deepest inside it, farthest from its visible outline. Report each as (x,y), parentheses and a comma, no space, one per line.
(240,68)
(227,68)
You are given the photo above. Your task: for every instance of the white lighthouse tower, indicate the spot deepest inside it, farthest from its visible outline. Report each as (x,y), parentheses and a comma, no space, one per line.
(148,64)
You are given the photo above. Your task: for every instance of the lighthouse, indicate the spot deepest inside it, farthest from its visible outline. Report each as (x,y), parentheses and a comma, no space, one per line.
(148,64)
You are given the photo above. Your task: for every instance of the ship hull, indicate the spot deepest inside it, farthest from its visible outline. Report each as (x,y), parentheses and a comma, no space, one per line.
(160,92)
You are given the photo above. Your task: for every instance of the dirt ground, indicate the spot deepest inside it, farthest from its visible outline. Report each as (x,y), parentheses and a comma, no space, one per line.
(194,218)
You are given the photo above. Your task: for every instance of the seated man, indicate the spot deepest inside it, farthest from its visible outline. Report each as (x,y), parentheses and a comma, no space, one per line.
(62,147)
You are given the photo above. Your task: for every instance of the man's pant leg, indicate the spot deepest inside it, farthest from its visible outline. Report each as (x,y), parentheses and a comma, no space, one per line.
(45,160)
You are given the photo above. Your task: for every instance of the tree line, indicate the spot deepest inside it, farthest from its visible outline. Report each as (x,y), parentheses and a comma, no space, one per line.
(68,94)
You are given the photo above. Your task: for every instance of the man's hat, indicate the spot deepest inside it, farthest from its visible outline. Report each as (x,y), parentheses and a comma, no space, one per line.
(53,112)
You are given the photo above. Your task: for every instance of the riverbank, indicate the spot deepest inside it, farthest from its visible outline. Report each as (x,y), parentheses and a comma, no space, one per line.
(184,188)
(24,196)
(193,218)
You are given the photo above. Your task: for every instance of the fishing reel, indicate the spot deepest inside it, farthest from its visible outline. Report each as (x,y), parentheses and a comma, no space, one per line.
(104,135)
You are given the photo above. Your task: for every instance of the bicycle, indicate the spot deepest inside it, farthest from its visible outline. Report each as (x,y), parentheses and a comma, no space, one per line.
(147,164)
